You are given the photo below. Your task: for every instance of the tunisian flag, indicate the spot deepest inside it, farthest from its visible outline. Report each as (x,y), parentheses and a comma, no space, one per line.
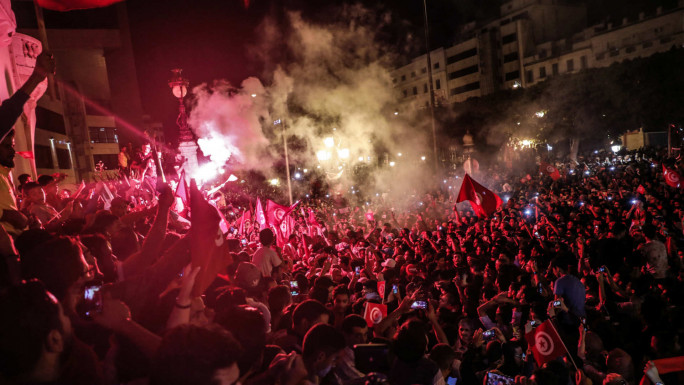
(276,213)
(672,177)
(545,342)
(550,170)
(259,216)
(374,313)
(484,201)
(70,5)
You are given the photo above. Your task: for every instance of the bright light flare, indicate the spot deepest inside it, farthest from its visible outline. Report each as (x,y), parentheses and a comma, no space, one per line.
(329,142)
(205,172)
(274,182)
(540,114)
(323,155)
(616,148)
(343,153)
(392,164)
(422,157)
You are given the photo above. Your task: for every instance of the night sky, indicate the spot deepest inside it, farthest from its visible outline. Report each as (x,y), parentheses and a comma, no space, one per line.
(210,39)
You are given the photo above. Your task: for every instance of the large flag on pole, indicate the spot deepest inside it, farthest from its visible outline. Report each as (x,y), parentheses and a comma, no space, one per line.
(259,216)
(484,201)
(550,170)
(545,343)
(70,5)
(276,213)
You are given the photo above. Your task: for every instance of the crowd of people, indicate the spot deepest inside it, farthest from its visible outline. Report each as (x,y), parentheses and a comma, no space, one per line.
(99,288)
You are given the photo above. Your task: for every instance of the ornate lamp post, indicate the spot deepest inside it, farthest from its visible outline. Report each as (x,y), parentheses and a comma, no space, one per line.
(187,145)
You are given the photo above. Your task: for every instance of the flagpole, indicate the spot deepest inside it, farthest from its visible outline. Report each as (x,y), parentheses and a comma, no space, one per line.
(564,347)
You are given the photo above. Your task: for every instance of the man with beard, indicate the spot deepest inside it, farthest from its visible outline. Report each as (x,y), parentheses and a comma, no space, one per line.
(36,340)
(10,110)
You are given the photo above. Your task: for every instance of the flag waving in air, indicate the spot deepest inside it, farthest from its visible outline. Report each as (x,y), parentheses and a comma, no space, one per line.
(70,5)
(549,170)
(672,177)
(276,213)
(484,201)
(259,216)
(545,342)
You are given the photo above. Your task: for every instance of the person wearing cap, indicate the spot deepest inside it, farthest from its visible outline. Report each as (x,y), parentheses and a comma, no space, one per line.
(10,110)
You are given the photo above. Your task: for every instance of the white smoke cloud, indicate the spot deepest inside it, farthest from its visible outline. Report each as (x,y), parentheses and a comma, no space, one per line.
(336,83)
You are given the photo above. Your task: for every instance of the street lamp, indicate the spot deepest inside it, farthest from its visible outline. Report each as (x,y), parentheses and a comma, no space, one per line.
(187,145)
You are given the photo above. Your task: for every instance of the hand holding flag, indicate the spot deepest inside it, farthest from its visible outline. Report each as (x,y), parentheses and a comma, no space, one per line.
(545,343)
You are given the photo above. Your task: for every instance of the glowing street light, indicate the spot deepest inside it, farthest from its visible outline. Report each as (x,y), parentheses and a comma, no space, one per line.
(422,158)
(540,114)
(399,154)
(274,181)
(297,175)
(616,148)
(392,164)
(526,142)
(360,159)
(329,142)
(254,95)
(343,153)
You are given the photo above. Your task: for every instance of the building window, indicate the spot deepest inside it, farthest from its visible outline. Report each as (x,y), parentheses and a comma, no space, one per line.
(50,121)
(103,135)
(425,88)
(43,156)
(403,78)
(542,54)
(571,65)
(463,55)
(512,75)
(583,62)
(415,90)
(530,76)
(510,57)
(647,44)
(542,72)
(600,56)
(63,159)
(465,88)
(436,65)
(554,69)
(394,80)
(438,84)
(463,72)
(413,74)
(405,92)
(510,38)
(423,70)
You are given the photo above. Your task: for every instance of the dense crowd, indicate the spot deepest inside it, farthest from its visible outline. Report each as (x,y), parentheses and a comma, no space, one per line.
(105,286)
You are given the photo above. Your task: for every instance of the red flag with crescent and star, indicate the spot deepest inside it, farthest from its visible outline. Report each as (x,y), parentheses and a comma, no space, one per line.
(550,170)
(374,313)
(672,177)
(484,201)
(545,342)
(275,213)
